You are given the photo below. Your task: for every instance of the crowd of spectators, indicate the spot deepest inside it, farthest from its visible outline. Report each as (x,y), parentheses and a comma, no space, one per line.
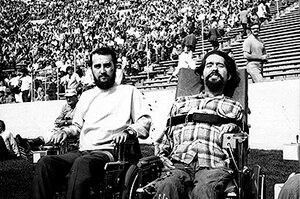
(50,35)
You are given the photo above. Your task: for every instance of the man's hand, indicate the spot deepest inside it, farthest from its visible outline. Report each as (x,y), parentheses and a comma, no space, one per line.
(167,163)
(120,137)
(229,128)
(59,137)
(265,57)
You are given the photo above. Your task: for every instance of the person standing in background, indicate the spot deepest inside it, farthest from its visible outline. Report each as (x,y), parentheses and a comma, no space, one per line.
(214,35)
(244,13)
(255,53)
(190,41)
(26,82)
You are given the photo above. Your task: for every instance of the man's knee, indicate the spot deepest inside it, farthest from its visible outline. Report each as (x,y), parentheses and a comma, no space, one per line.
(44,162)
(175,184)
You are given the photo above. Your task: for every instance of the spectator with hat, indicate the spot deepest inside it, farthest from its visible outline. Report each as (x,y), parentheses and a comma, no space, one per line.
(66,114)
(64,119)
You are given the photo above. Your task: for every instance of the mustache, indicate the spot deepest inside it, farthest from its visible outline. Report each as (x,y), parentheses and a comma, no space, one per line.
(103,75)
(214,73)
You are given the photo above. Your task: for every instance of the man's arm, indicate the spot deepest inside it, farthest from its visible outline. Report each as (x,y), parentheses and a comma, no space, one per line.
(71,130)
(253,57)
(13,144)
(163,148)
(60,121)
(140,116)
(236,112)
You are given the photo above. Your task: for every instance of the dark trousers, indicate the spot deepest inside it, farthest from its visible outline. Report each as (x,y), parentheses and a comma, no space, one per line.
(84,169)
(3,150)
(26,96)
(244,25)
(5,154)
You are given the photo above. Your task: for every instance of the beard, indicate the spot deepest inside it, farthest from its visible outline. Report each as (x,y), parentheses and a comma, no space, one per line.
(106,84)
(214,85)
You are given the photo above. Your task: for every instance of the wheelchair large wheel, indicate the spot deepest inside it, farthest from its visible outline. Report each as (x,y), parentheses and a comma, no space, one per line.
(131,183)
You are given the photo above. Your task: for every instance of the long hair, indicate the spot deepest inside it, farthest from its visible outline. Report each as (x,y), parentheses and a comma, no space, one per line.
(2,125)
(231,67)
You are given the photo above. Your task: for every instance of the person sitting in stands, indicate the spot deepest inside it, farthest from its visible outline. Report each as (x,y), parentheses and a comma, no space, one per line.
(185,60)
(192,150)
(71,80)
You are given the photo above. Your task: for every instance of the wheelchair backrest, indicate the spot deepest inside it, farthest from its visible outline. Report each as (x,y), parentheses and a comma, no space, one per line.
(189,84)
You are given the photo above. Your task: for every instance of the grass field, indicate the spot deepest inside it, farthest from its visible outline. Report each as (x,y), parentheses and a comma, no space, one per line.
(16,175)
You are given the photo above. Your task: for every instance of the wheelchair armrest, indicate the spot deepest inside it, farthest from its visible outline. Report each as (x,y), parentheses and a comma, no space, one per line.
(112,166)
(149,160)
(71,143)
(129,150)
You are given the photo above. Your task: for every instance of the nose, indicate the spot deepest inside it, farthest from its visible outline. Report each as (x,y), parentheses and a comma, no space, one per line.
(102,69)
(214,67)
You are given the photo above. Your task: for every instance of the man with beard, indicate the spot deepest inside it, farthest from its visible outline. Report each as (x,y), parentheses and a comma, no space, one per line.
(105,115)
(191,146)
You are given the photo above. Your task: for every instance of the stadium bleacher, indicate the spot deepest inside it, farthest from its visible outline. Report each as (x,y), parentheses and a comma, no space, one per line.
(281,37)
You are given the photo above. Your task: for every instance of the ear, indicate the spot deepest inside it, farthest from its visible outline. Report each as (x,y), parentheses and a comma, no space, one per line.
(228,76)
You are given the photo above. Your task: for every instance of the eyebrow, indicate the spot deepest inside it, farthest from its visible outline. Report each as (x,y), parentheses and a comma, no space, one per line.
(211,62)
(104,64)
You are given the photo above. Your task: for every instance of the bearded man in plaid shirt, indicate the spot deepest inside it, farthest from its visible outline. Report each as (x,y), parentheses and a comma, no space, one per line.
(192,151)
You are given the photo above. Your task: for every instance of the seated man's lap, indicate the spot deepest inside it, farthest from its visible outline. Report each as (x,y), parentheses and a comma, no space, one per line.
(183,181)
(92,162)
(212,182)
(174,185)
(79,161)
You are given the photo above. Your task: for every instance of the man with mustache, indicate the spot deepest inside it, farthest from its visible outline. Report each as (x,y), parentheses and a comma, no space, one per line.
(105,115)
(191,148)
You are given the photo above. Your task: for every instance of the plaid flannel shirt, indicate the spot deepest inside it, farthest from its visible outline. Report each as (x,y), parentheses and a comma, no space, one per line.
(191,140)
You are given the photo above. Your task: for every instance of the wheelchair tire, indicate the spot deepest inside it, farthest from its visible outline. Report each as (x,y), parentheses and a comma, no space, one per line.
(131,183)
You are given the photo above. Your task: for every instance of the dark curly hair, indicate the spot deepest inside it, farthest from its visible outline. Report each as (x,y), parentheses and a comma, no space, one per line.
(2,125)
(231,67)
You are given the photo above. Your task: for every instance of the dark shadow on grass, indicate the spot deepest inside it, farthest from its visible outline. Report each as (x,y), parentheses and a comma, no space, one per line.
(15,178)
(16,175)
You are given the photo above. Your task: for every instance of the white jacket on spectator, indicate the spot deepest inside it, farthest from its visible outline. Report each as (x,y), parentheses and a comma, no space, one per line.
(185,60)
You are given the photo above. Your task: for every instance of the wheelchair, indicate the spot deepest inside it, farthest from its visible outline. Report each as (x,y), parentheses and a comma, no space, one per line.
(248,183)
(125,155)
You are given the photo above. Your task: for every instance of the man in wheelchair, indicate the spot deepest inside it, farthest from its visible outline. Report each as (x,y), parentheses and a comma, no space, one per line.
(191,145)
(105,115)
